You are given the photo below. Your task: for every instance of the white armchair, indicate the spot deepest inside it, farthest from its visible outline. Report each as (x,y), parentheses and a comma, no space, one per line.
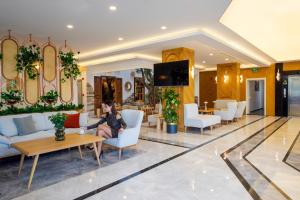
(241,106)
(152,119)
(193,119)
(130,135)
(229,113)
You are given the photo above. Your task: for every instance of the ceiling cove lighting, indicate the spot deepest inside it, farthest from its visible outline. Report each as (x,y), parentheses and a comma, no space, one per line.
(113,8)
(163,28)
(142,42)
(120,39)
(70,26)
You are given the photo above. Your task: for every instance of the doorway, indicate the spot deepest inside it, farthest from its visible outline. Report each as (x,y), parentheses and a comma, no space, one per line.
(256,96)
(294,95)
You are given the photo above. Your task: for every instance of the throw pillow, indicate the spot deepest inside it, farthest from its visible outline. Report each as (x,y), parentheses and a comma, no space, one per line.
(83,120)
(25,125)
(72,121)
(8,127)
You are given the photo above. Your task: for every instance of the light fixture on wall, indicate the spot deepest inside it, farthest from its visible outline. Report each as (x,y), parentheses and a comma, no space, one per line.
(278,75)
(226,77)
(241,78)
(193,72)
(216,79)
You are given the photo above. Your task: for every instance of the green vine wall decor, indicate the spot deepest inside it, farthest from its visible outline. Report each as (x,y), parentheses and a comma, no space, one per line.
(69,65)
(27,59)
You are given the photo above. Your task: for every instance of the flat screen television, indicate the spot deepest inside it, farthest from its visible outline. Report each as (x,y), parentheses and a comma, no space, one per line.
(171,73)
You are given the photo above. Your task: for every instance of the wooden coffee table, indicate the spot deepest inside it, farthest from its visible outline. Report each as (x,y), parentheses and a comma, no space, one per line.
(47,145)
(207,111)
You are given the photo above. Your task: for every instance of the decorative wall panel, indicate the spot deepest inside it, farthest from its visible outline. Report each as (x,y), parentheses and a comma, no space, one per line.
(9,49)
(32,90)
(49,66)
(66,88)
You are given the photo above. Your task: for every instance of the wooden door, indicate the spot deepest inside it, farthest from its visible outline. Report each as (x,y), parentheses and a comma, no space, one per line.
(119,95)
(97,93)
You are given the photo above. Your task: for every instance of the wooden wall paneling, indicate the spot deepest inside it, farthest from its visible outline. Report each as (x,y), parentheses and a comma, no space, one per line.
(186,94)
(49,63)
(262,72)
(230,89)
(9,49)
(207,88)
(291,66)
(66,88)
(32,89)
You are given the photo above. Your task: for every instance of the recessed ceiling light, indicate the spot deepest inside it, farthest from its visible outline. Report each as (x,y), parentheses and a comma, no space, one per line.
(120,39)
(70,26)
(163,28)
(113,8)
(203,61)
(211,54)
(226,59)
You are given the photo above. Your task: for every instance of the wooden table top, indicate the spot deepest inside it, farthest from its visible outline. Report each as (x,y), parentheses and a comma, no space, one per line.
(208,110)
(49,144)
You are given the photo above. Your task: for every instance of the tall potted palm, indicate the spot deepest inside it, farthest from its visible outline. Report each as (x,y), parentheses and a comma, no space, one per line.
(171,98)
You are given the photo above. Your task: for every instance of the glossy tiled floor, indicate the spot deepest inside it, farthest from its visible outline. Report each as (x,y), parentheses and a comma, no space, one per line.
(195,166)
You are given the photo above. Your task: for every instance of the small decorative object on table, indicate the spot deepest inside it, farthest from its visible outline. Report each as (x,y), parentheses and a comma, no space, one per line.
(205,105)
(58,120)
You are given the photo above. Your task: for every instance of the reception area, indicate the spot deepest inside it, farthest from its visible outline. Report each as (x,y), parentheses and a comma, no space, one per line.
(193,99)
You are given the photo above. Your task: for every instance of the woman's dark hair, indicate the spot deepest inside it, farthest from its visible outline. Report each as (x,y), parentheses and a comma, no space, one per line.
(111,104)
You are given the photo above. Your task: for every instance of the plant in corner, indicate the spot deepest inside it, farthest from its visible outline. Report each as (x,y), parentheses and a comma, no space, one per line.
(50,97)
(27,60)
(12,97)
(69,65)
(170,111)
(58,120)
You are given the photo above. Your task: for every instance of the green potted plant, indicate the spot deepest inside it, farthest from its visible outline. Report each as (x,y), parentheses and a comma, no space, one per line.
(50,97)
(171,98)
(69,64)
(59,120)
(12,97)
(28,58)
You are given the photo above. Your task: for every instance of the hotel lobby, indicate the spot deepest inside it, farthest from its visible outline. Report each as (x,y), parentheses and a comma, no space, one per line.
(114,99)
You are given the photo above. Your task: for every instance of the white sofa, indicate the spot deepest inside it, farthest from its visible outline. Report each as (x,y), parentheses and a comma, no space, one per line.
(9,135)
(228,113)
(130,136)
(222,103)
(193,119)
(241,106)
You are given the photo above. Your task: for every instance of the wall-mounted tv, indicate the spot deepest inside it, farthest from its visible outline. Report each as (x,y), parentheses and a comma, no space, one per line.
(171,73)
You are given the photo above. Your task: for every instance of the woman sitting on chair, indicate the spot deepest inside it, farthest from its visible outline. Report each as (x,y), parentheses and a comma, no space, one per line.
(115,124)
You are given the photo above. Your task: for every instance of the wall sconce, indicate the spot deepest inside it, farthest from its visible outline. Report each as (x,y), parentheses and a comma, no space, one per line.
(241,78)
(37,65)
(216,79)
(192,72)
(278,75)
(226,77)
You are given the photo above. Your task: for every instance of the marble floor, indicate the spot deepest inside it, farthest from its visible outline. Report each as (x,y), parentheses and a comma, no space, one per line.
(242,160)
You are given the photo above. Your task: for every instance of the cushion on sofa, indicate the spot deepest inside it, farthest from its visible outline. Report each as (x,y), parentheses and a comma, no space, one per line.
(8,127)
(72,121)
(25,125)
(40,122)
(83,119)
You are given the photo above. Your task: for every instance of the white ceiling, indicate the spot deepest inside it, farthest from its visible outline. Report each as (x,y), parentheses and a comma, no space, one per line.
(191,23)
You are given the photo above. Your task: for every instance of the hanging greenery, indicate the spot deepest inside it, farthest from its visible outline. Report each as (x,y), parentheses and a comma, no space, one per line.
(50,97)
(69,65)
(27,59)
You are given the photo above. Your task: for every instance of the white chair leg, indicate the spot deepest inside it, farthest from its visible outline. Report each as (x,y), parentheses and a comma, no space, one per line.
(120,153)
